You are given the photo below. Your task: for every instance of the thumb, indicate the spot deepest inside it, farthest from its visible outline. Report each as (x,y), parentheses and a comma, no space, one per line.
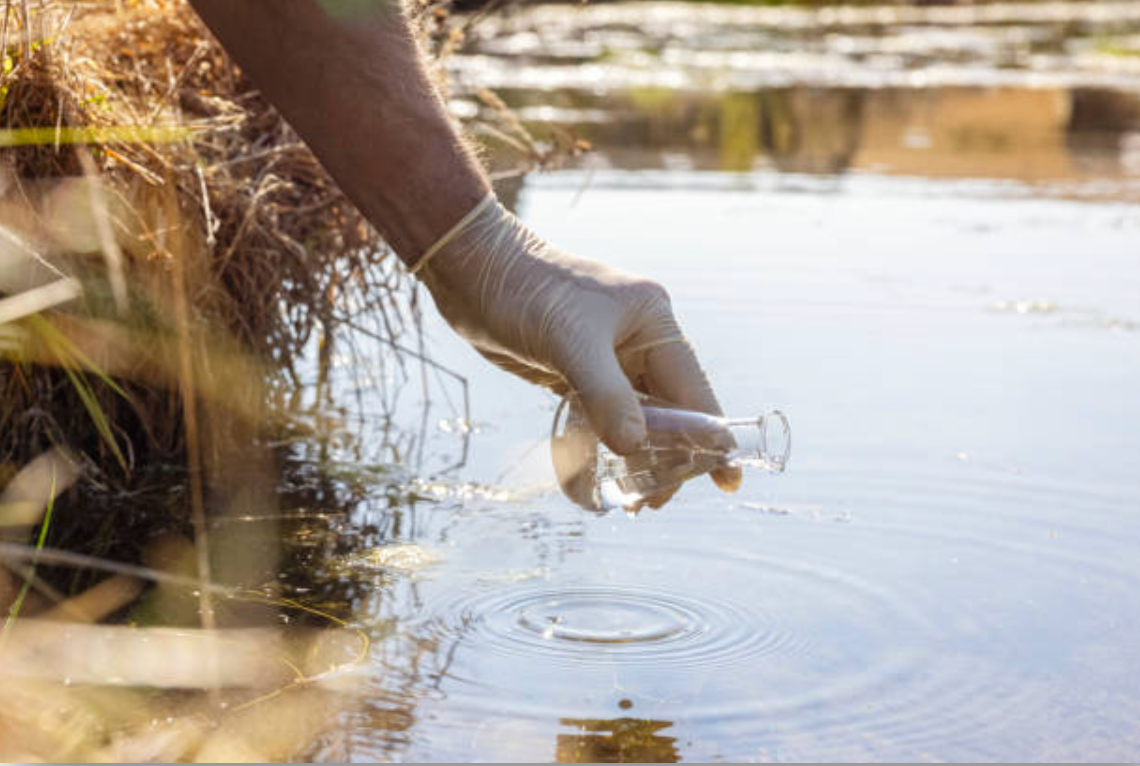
(606,395)
(675,374)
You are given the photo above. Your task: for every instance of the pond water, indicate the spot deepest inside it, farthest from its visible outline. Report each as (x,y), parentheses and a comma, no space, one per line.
(940,286)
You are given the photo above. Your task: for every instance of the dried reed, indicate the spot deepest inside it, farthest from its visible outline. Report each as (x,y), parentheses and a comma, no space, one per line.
(171,257)
(169,251)
(138,163)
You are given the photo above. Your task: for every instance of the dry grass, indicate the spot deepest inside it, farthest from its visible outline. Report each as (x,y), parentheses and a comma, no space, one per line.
(174,268)
(138,164)
(169,254)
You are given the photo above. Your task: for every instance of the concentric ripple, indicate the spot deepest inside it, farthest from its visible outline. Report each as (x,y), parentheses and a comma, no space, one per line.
(606,618)
(921,628)
(978,602)
(599,625)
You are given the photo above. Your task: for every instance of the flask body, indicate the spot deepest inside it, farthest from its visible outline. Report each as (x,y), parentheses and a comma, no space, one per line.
(680,445)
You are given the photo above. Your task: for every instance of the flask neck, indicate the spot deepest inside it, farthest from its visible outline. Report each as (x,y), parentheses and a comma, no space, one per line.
(764,441)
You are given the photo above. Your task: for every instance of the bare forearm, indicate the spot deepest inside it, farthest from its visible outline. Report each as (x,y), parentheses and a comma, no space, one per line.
(355,88)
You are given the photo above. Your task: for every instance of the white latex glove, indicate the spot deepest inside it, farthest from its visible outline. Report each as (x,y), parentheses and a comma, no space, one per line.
(566,323)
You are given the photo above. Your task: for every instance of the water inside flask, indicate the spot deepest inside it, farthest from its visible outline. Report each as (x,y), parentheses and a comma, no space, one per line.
(681,445)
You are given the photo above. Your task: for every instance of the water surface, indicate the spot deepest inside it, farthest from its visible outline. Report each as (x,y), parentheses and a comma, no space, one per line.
(946,571)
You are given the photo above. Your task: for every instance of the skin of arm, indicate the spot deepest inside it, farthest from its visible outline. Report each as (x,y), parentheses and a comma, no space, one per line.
(349,77)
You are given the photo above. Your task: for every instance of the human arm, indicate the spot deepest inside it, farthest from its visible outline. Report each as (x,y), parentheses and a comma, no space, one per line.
(355,88)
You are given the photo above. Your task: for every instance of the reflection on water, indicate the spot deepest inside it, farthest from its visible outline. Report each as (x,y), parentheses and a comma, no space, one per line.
(672,45)
(1029,134)
(949,569)
(937,577)
(620,740)
(955,616)
(1036,92)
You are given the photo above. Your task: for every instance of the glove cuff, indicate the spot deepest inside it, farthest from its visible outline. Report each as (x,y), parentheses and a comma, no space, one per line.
(452,233)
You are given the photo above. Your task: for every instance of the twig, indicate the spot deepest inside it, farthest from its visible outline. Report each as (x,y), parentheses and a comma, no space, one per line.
(57,557)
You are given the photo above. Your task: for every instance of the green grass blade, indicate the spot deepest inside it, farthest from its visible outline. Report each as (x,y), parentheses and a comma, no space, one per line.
(74,363)
(18,604)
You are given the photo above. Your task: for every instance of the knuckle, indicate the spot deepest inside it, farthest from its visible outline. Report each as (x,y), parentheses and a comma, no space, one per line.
(653,292)
(652,303)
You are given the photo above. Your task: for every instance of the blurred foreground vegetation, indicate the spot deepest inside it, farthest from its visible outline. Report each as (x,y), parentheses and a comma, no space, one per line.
(180,280)
(175,267)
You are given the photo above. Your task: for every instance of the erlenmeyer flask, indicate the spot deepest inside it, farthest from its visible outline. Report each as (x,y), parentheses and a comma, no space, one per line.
(681,444)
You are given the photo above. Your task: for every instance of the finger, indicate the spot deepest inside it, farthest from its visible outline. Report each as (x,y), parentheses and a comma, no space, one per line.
(657,501)
(609,400)
(727,479)
(675,374)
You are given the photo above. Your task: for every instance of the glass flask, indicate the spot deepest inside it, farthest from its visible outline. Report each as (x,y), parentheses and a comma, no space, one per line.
(681,445)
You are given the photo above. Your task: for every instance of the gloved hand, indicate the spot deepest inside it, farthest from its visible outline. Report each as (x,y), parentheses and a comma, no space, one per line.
(566,323)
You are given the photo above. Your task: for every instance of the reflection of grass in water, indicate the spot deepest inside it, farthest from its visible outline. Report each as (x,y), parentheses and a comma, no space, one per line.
(739,131)
(652,99)
(779,124)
